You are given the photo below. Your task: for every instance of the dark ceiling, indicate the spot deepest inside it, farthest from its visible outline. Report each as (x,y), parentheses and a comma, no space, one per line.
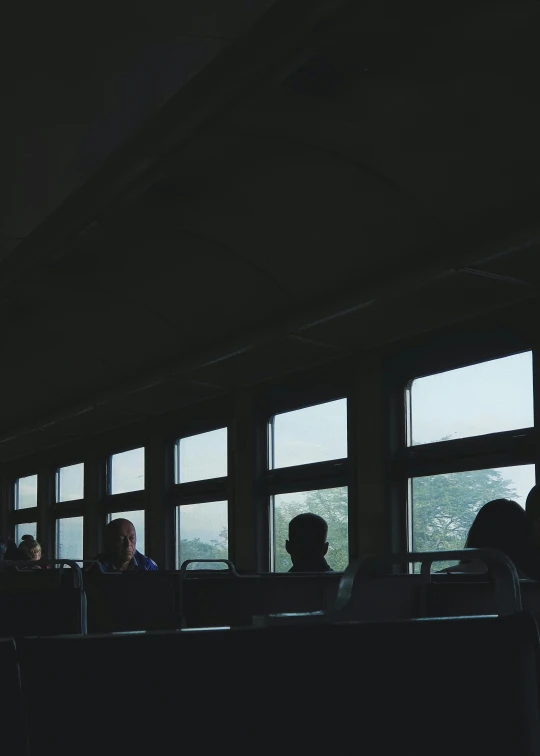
(207,194)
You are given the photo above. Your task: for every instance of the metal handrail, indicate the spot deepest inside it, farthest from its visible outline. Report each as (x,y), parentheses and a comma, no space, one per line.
(77,572)
(506,577)
(230,565)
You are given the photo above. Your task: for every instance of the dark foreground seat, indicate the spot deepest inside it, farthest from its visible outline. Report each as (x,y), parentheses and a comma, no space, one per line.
(12,730)
(463,686)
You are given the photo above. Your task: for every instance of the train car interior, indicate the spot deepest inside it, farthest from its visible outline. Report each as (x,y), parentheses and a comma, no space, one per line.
(263,260)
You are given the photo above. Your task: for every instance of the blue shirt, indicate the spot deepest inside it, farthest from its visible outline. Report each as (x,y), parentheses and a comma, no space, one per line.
(139,563)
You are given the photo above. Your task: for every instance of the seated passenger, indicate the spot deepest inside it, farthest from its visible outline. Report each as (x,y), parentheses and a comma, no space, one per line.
(30,549)
(499,524)
(8,550)
(13,552)
(532,516)
(121,552)
(307,544)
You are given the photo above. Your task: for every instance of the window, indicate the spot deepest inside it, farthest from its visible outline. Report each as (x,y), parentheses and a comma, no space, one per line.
(312,434)
(330,503)
(202,533)
(26,492)
(127,471)
(70,483)
(486,398)
(69,538)
(202,457)
(25,528)
(137,518)
(444,506)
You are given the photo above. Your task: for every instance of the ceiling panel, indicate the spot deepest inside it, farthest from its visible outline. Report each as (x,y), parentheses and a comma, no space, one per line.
(339,169)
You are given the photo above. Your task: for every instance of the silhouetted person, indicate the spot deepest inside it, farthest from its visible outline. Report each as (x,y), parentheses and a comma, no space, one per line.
(121,552)
(532,512)
(307,544)
(499,524)
(30,550)
(532,515)
(9,550)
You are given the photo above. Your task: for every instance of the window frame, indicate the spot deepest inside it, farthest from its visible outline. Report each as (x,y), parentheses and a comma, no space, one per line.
(334,473)
(57,484)
(485,451)
(194,502)
(108,471)
(176,454)
(65,516)
(200,491)
(15,487)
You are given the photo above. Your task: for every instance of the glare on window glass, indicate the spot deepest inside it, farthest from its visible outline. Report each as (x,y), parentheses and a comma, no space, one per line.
(312,434)
(26,492)
(443,507)
(127,471)
(69,538)
(202,457)
(329,503)
(70,483)
(25,528)
(202,533)
(489,397)
(137,518)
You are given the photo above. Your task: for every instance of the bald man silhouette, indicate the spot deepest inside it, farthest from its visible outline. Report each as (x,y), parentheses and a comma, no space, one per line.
(307,545)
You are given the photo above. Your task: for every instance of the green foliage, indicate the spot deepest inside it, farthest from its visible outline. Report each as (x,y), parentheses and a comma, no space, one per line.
(444,506)
(194,548)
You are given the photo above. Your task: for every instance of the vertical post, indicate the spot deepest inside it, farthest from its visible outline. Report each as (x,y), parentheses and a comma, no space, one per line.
(536,404)
(243,514)
(46,498)
(6,504)
(158,515)
(94,496)
(373,502)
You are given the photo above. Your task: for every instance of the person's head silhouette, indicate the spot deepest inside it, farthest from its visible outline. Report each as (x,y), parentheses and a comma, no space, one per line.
(499,524)
(307,544)
(532,512)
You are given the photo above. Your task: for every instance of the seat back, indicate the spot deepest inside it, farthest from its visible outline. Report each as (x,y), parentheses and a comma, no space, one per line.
(369,591)
(224,598)
(128,601)
(467,686)
(219,599)
(454,594)
(41,602)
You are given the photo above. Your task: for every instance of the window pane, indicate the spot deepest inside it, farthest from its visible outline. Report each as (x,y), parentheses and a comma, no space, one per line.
(137,518)
(127,471)
(25,528)
(202,533)
(69,538)
(70,483)
(26,492)
(330,503)
(490,397)
(312,434)
(443,507)
(202,456)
